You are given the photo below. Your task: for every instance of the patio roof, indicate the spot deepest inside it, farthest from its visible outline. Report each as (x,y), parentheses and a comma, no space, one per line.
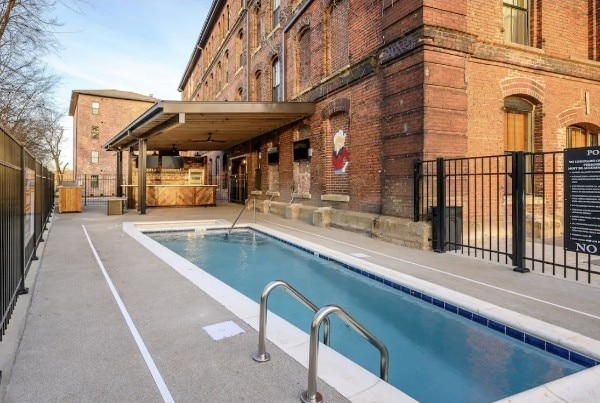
(207,126)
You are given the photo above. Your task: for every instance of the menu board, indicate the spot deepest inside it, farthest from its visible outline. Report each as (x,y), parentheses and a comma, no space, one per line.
(582,200)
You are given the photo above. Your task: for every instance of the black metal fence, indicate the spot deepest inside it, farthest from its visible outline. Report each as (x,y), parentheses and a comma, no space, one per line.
(27,202)
(96,189)
(505,208)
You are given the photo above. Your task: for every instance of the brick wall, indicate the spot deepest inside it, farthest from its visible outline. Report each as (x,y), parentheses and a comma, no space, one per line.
(114,114)
(407,80)
(561,29)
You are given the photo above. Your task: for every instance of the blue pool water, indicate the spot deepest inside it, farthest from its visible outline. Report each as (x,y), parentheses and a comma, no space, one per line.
(435,355)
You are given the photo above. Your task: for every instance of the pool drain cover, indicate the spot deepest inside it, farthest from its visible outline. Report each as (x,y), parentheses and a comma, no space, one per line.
(223,330)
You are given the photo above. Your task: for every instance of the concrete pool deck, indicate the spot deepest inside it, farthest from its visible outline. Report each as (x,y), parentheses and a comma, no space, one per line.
(76,346)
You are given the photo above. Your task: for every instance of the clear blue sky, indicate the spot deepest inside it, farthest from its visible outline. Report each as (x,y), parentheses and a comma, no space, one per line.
(132,45)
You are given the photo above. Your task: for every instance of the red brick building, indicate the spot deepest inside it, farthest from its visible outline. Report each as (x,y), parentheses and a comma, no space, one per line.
(394,81)
(97,116)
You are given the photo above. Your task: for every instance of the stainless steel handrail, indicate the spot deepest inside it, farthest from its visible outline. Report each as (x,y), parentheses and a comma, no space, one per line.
(262,354)
(311,395)
(238,217)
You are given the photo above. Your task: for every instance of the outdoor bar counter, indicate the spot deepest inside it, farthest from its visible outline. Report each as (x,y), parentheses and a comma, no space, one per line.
(175,195)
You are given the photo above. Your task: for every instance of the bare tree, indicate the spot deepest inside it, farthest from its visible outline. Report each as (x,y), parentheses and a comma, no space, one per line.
(51,136)
(27,34)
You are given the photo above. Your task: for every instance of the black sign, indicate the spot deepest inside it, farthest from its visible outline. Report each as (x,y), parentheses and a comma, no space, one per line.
(582,200)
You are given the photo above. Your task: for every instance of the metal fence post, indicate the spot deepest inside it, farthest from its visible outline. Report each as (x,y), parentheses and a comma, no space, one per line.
(42,196)
(440,221)
(416,189)
(85,189)
(22,288)
(119,179)
(518,211)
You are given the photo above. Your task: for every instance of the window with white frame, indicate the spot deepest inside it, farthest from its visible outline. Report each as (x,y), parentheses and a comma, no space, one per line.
(95,108)
(95,157)
(275,13)
(516,21)
(276,80)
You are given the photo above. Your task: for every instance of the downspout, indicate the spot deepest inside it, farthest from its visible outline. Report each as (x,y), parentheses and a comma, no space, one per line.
(285,29)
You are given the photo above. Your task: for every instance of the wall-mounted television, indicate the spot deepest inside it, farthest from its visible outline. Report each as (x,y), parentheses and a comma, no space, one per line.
(301,148)
(273,155)
(152,161)
(172,162)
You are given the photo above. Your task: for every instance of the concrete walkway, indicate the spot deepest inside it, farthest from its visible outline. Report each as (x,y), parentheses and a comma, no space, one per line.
(76,345)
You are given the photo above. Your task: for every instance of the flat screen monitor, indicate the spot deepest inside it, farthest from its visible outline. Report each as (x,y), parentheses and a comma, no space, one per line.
(152,161)
(273,155)
(172,162)
(301,149)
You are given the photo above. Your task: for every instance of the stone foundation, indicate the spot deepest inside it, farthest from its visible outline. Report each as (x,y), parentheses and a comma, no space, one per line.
(400,231)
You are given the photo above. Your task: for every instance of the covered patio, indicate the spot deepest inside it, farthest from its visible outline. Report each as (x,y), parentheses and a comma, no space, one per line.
(197,126)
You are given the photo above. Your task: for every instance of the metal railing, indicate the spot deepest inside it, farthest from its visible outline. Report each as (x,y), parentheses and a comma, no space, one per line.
(505,208)
(311,395)
(95,189)
(236,219)
(262,355)
(27,194)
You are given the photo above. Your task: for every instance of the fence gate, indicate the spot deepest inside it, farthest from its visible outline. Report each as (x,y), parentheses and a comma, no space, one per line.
(504,208)
(95,189)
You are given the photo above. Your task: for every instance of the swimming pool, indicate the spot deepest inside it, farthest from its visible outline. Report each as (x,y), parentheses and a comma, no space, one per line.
(442,361)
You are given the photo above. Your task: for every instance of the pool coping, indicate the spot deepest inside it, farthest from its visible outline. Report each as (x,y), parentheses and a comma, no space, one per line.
(358,384)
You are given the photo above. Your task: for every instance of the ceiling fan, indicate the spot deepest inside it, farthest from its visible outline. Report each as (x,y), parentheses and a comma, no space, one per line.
(210,140)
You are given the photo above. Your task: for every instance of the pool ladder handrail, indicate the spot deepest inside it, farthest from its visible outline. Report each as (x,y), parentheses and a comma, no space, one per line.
(262,355)
(238,217)
(311,395)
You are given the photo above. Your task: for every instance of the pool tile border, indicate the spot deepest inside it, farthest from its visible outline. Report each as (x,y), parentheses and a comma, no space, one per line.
(519,335)
(587,380)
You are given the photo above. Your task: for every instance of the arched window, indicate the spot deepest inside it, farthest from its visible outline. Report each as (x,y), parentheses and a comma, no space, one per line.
(257,28)
(335,47)
(228,17)
(303,60)
(219,74)
(239,94)
(518,124)
(240,50)
(276,80)
(226,67)
(580,137)
(257,95)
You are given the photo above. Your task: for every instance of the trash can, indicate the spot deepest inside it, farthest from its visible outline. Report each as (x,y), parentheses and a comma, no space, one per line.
(115,205)
(69,199)
(453,224)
